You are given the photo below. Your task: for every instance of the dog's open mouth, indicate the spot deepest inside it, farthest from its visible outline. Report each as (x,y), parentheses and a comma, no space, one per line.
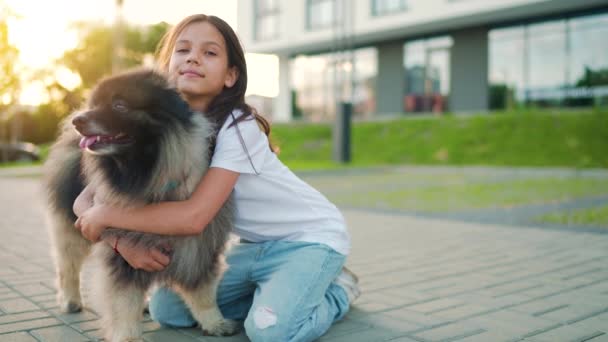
(93,142)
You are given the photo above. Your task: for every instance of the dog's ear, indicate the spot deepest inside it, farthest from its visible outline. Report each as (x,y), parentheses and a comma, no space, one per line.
(171,102)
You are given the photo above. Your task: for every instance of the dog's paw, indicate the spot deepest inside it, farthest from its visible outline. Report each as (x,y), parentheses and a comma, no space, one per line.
(224,327)
(70,306)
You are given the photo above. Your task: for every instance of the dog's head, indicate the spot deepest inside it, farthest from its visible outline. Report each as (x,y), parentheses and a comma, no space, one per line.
(134,107)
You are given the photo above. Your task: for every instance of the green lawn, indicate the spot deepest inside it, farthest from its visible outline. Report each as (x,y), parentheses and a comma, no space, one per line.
(523,138)
(594,216)
(453,192)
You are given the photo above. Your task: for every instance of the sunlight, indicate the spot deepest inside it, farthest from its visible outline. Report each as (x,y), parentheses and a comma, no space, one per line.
(262,74)
(6,99)
(42,33)
(34,94)
(68,79)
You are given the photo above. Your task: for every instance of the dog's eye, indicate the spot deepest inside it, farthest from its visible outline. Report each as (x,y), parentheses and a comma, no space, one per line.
(120,106)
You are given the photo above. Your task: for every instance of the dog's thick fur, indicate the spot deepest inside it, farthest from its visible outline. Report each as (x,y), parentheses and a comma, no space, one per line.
(151,148)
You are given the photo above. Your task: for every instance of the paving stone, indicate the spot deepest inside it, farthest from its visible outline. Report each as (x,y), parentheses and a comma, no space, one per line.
(196,334)
(539,307)
(58,334)
(600,338)
(95,334)
(17,305)
(574,312)
(490,336)
(48,304)
(452,331)
(9,295)
(421,319)
(163,335)
(422,280)
(344,327)
(594,323)
(566,333)
(88,325)
(462,311)
(389,323)
(34,289)
(436,305)
(43,298)
(27,325)
(10,318)
(70,318)
(513,323)
(410,294)
(404,339)
(17,337)
(374,334)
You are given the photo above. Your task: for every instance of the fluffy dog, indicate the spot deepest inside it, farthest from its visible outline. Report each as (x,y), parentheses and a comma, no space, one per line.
(137,143)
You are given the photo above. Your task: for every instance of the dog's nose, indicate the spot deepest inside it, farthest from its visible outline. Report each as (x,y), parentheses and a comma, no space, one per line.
(79,120)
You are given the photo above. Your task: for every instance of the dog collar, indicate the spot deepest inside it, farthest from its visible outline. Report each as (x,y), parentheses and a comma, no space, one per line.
(171,185)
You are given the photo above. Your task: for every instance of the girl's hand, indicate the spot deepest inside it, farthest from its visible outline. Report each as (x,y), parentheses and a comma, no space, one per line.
(141,258)
(91,222)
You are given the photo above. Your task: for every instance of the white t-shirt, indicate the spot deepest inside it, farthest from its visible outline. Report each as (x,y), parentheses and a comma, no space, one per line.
(274,204)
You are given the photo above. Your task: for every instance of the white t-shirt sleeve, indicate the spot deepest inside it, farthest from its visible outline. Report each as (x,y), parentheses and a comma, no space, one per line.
(229,151)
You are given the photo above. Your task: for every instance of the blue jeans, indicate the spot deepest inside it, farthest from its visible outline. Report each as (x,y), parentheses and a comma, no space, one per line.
(283,290)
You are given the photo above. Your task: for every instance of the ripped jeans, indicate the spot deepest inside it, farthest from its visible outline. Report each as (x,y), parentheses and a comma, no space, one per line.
(283,290)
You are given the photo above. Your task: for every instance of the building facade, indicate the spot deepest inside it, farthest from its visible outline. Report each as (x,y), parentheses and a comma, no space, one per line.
(396,56)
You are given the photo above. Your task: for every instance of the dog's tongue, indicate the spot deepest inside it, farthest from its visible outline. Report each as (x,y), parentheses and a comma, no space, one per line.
(86,142)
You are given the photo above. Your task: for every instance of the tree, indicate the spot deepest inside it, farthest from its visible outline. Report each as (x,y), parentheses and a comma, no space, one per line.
(9,82)
(92,58)
(593,78)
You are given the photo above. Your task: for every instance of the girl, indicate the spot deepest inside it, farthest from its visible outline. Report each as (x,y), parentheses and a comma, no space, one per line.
(286,279)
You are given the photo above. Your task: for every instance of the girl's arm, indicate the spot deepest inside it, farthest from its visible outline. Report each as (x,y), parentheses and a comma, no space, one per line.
(150,260)
(84,201)
(187,217)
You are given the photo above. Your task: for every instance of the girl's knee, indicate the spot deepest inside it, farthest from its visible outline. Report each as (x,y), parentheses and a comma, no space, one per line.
(168,309)
(264,325)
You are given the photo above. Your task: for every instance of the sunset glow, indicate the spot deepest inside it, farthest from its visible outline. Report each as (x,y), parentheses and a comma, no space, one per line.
(43,31)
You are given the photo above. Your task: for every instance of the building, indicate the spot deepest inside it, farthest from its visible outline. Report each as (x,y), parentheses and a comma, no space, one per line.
(394,56)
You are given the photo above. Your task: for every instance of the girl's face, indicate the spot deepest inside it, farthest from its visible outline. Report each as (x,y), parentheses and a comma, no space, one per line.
(198,67)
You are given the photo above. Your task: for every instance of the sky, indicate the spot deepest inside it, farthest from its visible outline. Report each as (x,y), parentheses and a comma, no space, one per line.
(42,33)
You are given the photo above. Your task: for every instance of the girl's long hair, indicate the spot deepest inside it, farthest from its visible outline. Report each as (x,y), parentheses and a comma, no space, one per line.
(230,98)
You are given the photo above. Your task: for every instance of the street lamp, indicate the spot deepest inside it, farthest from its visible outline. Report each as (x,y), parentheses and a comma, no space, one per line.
(343,55)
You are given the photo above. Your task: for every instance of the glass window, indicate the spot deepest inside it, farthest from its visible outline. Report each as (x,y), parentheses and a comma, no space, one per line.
(546,57)
(588,48)
(266,19)
(318,81)
(555,63)
(506,64)
(382,7)
(364,83)
(323,13)
(427,74)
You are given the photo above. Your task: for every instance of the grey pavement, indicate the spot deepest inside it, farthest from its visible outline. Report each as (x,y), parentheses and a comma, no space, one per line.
(423,279)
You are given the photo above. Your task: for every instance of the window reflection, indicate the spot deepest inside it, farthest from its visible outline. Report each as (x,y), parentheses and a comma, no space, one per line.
(383,7)
(555,63)
(266,19)
(322,13)
(588,62)
(314,79)
(506,55)
(547,61)
(427,74)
